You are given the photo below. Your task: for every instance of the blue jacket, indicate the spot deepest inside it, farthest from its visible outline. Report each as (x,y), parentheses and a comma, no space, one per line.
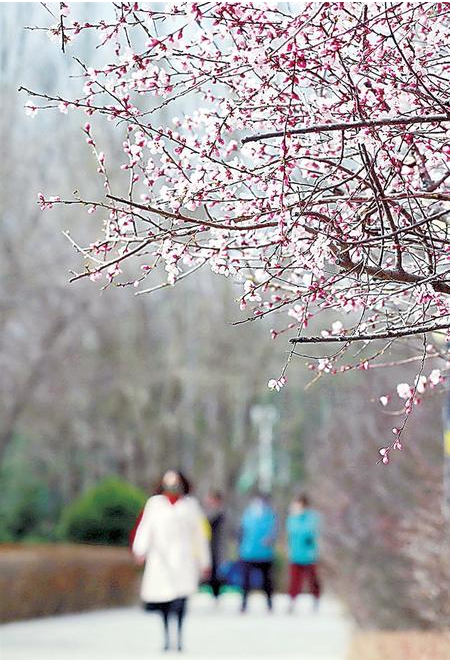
(302,533)
(259,532)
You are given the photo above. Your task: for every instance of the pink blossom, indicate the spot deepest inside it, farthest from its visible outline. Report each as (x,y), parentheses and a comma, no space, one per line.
(276,384)
(420,383)
(435,377)
(246,147)
(404,390)
(337,328)
(384,452)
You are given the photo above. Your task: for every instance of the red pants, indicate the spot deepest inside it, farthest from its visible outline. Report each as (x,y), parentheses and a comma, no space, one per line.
(297,575)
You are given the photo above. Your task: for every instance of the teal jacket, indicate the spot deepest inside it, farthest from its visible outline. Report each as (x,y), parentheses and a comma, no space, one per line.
(258,532)
(302,534)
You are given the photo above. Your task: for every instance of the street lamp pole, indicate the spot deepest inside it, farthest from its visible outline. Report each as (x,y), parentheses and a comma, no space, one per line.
(264,417)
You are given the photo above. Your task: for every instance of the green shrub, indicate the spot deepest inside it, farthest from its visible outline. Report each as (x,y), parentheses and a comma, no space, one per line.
(5,534)
(28,511)
(103,515)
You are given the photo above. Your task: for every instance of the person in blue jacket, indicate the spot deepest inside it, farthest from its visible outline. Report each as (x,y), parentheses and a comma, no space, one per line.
(302,527)
(257,546)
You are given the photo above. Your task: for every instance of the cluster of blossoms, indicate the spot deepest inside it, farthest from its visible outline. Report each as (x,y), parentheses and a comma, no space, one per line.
(411,394)
(408,392)
(303,151)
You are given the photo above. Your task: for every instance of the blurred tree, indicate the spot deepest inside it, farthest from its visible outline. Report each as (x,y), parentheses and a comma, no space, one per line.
(172,384)
(384,546)
(28,507)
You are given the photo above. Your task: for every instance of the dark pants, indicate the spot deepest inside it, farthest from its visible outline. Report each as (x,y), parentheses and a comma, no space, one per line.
(174,608)
(298,574)
(215,582)
(266,569)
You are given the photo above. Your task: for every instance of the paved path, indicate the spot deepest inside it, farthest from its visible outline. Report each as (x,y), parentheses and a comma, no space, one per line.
(211,632)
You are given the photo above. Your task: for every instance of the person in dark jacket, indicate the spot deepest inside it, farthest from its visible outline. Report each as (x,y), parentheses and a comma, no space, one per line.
(302,527)
(257,546)
(214,507)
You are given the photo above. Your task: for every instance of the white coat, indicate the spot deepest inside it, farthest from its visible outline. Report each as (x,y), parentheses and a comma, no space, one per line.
(173,540)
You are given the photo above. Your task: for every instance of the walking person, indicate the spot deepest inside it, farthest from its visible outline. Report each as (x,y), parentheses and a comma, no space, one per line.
(257,546)
(302,527)
(171,540)
(214,506)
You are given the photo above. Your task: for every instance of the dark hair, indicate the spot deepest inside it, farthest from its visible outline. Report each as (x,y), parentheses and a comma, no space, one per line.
(261,494)
(186,486)
(303,498)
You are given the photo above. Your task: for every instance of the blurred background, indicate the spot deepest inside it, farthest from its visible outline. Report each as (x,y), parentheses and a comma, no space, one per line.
(100,391)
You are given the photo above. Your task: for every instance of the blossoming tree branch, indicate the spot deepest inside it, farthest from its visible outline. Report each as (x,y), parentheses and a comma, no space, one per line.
(306,154)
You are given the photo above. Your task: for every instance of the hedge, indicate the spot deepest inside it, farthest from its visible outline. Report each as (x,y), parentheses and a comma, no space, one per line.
(46,580)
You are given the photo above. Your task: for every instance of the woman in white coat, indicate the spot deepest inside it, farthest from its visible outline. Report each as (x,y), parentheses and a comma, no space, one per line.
(171,539)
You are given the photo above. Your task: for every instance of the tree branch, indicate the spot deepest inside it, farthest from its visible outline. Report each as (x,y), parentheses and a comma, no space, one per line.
(389,334)
(393,275)
(346,126)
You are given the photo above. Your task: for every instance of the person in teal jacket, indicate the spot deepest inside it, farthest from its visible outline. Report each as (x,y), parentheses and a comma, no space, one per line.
(257,546)
(302,528)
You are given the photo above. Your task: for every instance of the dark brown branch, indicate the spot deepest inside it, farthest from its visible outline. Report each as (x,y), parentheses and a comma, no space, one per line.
(346,126)
(373,176)
(194,221)
(374,240)
(389,334)
(61,23)
(391,275)
(402,276)
(107,264)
